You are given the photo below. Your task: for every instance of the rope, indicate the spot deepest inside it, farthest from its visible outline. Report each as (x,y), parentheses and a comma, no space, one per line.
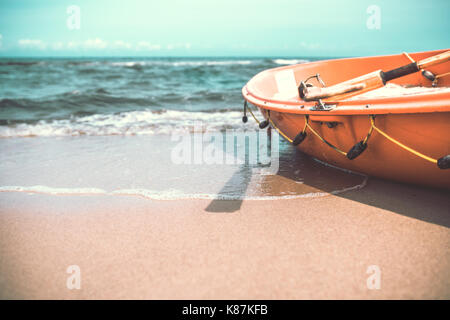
(273,125)
(399,143)
(322,139)
(251,112)
(304,129)
(372,127)
(368,135)
(306,123)
(279,131)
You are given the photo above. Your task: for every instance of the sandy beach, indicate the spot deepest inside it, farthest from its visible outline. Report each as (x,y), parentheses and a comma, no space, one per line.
(136,224)
(309,248)
(213,150)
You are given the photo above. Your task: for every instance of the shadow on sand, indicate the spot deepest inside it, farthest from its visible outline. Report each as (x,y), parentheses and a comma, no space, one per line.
(241,178)
(304,173)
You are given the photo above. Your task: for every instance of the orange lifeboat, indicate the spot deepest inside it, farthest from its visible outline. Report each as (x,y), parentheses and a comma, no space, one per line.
(399,137)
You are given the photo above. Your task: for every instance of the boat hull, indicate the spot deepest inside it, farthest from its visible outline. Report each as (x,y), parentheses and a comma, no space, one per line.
(421,123)
(382,157)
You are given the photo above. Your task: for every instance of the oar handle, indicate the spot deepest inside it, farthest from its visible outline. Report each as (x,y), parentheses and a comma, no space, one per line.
(315,93)
(399,72)
(415,66)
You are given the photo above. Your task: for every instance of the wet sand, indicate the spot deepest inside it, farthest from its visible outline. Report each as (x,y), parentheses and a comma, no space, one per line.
(318,247)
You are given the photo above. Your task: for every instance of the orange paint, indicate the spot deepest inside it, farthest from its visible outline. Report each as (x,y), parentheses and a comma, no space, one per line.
(421,121)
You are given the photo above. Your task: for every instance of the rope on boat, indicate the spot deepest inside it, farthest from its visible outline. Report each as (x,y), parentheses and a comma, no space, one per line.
(442,163)
(303,131)
(323,140)
(271,122)
(279,131)
(358,148)
(251,112)
(417,153)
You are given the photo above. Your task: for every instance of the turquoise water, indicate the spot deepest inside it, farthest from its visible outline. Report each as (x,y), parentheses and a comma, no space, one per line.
(104,96)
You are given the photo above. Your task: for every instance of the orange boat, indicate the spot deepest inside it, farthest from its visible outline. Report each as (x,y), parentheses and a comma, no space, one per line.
(402,137)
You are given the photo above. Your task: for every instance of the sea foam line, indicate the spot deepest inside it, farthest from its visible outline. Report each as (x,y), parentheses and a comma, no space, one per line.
(144,122)
(170,194)
(181,63)
(289,61)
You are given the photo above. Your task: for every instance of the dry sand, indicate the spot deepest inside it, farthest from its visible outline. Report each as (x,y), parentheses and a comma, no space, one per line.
(130,247)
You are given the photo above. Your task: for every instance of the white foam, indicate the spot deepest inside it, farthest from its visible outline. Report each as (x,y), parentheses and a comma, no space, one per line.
(53,191)
(169,194)
(144,122)
(128,63)
(181,63)
(210,63)
(289,61)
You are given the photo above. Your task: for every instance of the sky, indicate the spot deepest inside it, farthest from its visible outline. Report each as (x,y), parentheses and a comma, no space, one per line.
(288,28)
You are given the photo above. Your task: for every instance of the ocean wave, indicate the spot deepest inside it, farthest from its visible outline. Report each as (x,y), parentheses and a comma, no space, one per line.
(151,62)
(170,194)
(176,63)
(210,63)
(81,63)
(289,61)
(53,191)
(66,103)
(144,122)
(180,63)
(22,63)
(129,63)
(101,100)
(12,103)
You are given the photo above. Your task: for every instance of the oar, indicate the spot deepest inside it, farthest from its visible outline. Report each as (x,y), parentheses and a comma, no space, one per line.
(368,82)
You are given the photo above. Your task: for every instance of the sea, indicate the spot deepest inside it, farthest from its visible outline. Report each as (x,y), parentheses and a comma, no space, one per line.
(127,96)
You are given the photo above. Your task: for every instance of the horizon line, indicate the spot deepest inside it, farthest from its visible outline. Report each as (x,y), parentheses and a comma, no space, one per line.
(182,56)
